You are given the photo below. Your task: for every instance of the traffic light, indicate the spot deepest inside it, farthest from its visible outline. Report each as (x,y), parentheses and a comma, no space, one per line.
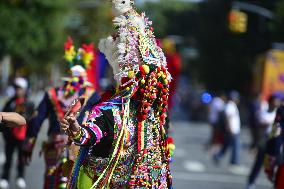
(238,21)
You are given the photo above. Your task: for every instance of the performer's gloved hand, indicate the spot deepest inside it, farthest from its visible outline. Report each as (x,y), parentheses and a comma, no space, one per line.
(70,126)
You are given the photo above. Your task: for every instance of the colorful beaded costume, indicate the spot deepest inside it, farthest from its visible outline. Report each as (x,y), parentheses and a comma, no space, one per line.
(53,107)
(124,138)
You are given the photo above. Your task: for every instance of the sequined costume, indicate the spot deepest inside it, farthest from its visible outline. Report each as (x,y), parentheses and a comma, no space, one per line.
(123,143)
(53,107)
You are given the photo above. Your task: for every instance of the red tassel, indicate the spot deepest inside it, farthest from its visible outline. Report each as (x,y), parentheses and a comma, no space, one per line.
(139,136)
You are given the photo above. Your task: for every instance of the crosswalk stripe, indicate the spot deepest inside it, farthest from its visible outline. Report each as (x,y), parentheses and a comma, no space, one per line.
(2,158)
(194,166)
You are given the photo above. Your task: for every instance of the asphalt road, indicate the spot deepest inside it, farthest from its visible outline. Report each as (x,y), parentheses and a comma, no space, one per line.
(192,167)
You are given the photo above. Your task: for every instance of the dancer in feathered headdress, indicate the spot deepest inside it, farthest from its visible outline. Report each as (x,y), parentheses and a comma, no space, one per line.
(54,106)
(125,134)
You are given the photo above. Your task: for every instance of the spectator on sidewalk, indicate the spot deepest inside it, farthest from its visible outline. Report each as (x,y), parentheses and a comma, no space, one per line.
(216,109)
(231,130)
(266,118)
(14,137)
(254,108)
(274,157)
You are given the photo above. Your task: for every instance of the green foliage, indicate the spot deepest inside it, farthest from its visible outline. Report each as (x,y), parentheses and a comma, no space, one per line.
(277,27)
(167,16)
(32,31)
(226,59)
(94,22)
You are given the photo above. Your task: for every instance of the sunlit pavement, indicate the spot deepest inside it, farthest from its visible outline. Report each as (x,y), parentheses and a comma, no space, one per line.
(34,173)
(192,169)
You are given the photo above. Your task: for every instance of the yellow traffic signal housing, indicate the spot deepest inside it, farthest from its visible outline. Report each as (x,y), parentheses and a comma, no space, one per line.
(238,21)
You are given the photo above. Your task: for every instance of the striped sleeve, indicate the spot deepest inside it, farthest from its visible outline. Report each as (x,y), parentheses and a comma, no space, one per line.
(83,137)
(92,131)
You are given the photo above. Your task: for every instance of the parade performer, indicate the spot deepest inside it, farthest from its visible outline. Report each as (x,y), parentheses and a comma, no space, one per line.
(174,66)
(274,159)
(53,107)
(124,142)
(14,137)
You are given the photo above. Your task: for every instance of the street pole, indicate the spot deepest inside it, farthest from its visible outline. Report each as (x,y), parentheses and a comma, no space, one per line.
(254,9)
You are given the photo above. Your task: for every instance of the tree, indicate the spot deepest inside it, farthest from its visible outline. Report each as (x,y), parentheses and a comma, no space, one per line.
(277,27)
(226,59)
(32,32)
(171,17)
(94,21)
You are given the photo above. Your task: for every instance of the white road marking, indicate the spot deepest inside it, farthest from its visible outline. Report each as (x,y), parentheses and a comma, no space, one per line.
(2,158)
(219,178)
(239,170)
(194,166)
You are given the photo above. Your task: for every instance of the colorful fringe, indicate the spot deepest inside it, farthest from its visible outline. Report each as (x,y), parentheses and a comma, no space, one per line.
(76,168)
(105,178)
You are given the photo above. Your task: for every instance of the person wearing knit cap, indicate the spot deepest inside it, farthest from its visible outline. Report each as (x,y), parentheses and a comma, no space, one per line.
(14,136)
(54,106)
(124,141)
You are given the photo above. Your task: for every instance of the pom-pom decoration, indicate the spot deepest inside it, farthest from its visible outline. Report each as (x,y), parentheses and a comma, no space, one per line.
(78,61)
(83,56)
(171,147)
(70,53)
